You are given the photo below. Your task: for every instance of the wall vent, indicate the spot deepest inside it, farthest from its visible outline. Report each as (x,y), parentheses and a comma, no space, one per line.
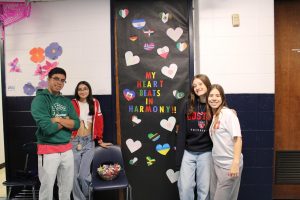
(287,167)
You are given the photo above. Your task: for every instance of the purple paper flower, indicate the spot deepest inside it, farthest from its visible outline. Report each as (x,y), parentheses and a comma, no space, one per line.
(28,89)
(53,51)
(42,85)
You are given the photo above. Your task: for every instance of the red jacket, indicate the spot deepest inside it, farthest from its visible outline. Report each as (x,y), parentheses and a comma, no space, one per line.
(97,119)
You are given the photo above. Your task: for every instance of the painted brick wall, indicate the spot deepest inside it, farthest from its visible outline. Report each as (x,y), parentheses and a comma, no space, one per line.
(256,115)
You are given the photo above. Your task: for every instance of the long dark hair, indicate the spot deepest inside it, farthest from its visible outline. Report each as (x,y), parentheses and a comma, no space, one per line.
(192,96)
(89,98)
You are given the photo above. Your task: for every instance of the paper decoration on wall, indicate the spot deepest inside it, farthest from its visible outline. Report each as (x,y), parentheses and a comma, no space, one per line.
(53,51)
(37,55)
(133,161)
(177,94)
(175,34)
(135,120)
(164,17)
(133,145)
(138,23)
(42,84)
(41,67)
(131,59)
(153,136)
(133,38)
(148,32)
(169,71)
(163,52)
(129,94)
(168,124)
(163,149)
(172,176)
(149,46)
(28,89)
(181,46)
(14,65)
(123,13)
(150,161)
(43,71)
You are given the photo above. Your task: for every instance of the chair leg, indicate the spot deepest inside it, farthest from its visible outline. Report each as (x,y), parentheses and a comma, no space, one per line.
(127,192)
(130,192)
(33,192)
(9,192)
(90,193)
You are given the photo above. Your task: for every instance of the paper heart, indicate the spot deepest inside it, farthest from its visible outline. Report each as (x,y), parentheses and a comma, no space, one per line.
(130,59)
(138,23)
(133,161)
(164,17)
(149,46)
(133,38)
(172,176)
(177,94)
(169,71)
(133,145)
(174,34)
(163,149)
(123,13)
(153,136)
(163,52)
(181,46)
(168,124)
(135,119)
(129,94)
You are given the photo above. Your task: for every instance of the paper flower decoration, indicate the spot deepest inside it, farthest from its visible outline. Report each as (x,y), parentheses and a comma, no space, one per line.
(42,85)
(53,51)
(28,89)
(14,66)
(43,71)
(37,55)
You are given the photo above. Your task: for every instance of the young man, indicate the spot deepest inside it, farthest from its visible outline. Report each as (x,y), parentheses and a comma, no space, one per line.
(55,118)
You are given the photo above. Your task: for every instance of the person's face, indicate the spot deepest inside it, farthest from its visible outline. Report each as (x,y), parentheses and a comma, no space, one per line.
(214,99)
(199,87)
(83,92)
(56,83)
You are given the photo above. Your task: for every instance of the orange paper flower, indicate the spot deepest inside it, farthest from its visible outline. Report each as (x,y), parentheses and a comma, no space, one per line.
(37,55)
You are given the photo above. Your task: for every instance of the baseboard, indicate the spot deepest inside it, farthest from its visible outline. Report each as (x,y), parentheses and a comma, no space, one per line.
(2,165)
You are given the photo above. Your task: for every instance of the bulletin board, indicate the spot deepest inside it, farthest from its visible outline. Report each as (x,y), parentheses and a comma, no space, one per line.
(152,61)
(78,41)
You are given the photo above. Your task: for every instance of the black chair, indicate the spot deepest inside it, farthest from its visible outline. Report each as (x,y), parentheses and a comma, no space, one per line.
(104,155)
(26,177)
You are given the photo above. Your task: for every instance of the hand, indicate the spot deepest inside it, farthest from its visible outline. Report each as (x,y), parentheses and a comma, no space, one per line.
(104,144)
(55,119)
(234,170)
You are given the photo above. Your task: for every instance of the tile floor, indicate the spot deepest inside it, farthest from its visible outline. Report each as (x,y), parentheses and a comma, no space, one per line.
(2,178)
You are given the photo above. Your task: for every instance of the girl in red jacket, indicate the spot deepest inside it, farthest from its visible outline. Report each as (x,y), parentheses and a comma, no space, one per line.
(91,128)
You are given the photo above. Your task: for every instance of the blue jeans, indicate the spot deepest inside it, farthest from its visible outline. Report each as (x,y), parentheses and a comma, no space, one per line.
(195,171)
(82,166)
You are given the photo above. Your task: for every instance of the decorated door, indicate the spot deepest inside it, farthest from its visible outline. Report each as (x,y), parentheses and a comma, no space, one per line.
(152,81)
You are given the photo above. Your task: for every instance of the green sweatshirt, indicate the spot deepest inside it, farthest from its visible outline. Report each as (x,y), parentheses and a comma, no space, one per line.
(46,106)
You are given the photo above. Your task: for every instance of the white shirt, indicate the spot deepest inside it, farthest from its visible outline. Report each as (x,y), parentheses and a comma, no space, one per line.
(222,135)
(84,113)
